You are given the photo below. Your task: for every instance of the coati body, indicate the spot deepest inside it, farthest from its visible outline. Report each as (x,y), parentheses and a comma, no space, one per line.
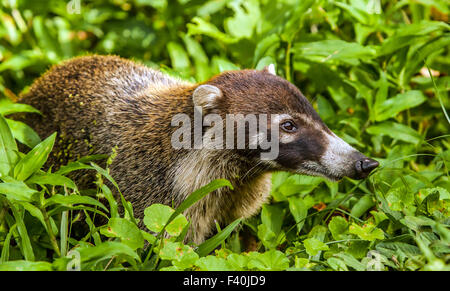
(96,103)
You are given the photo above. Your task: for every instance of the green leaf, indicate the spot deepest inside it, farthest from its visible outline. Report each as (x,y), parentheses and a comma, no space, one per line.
(337,264)
(72,199)
(246,15)
(364,203)
(366,232)
(24,133)
(408,34)
(6,244)
(127,231)
(270,231)
(392,106)
(25,242)
(21,265)
(265,47)
(333,50)
(272,260)
(73,166)
(51,179)
(313,246)
(8,149)
(179,59)
(182,256)
(338,227)
(35,159)
(209,245)
(7,107)
(211,263)
(17,190)
(222,65)
(299,210)
(238,262)
(326,111)
(350,261)
(106,250)
(196,196)
(395,131)
(156,217)
(200,26)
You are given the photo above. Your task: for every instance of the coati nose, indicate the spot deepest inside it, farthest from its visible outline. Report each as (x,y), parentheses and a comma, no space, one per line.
(364,167)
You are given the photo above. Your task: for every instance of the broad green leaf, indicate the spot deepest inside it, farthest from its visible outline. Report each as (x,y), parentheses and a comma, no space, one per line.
(182,256)
(395,131)
(264,62)
(326,111)
(24,133)
(272,260)
(35,159)
(156,217)
(22,265)
(333,50)
(409,34)
(8,149)
(8,107)
(106,250)
(338,227)
(313,246)
(17,190)
(211,263)
(51,179)
(73,166)
(272,216)
(392,106)
(200,26)
(246,15)
(337,264)
(127,231)
(350,261)
(72,199)
(179,59)
(196,51)
(299,184)
(238,262)
(299,210)
(222,65)
(359,13)
(265,47)
(366,232)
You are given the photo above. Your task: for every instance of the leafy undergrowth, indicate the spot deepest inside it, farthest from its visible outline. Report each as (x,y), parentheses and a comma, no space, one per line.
(390,221)
(376,71)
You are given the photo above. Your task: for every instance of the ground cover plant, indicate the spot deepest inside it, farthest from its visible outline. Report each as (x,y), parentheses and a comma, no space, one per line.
(376,71)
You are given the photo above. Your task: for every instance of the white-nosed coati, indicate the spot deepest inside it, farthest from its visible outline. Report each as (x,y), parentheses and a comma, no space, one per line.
(98,102)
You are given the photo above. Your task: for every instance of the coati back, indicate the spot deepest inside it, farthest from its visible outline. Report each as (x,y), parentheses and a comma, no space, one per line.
(96,103)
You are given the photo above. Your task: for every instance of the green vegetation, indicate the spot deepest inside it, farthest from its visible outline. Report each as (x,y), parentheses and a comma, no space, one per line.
(376,72)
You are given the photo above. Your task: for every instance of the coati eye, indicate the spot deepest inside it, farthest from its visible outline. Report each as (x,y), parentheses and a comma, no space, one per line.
(288,126)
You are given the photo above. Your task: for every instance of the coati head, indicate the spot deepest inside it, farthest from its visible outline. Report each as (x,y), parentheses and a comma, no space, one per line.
(306,144)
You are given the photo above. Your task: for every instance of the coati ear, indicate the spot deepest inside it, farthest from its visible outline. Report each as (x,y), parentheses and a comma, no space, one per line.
(206,96)
(270,69)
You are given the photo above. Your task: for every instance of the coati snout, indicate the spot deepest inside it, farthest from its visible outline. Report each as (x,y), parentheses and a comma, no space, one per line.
(96,103)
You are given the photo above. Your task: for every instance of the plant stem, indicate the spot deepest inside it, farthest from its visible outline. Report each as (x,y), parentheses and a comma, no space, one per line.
(287,65)
(50,232)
